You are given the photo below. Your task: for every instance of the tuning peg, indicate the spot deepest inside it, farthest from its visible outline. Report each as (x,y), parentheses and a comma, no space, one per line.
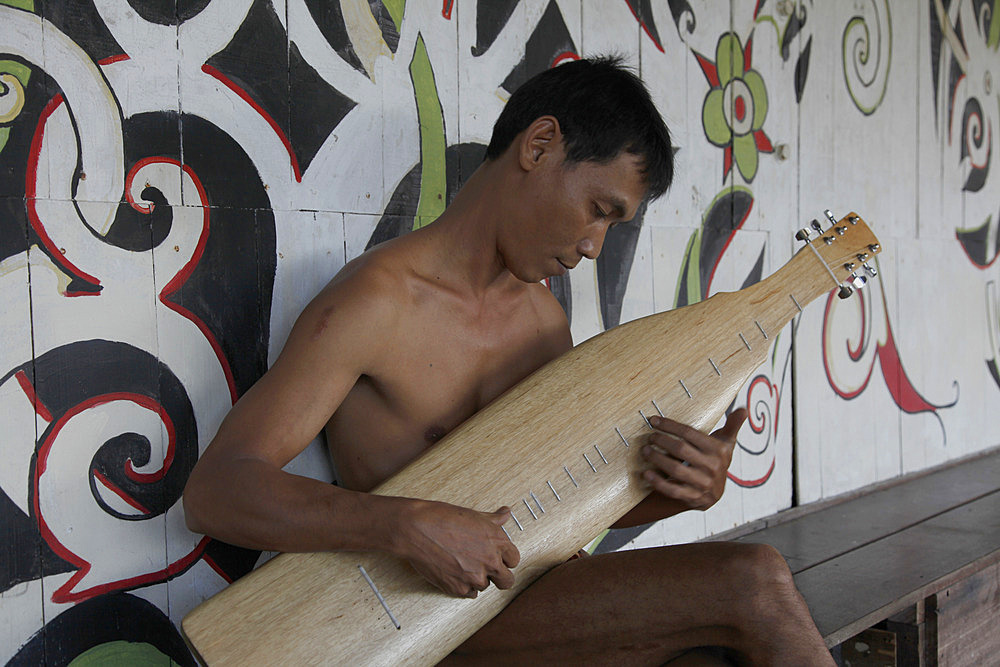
(874,247)
(845,291)
(870,270)
(802,234)
(858,281)
(853,219)
(818,227)
(862,257)
(829,216)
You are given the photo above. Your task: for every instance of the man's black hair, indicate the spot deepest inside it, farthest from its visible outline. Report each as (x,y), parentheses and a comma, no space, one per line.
(602,107)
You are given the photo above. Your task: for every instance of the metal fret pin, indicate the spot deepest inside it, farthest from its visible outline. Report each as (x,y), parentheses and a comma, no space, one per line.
(530,511)
(600,453)
(684,386)
(589,463)
(571,478)
(553,490)
(619,432)
(645,419)
(537,501)
(378,596)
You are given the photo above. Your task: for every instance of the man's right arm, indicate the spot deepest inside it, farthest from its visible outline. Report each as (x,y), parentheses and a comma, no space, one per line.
(239,493)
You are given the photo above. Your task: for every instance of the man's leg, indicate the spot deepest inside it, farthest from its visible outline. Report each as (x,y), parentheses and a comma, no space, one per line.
(650,605)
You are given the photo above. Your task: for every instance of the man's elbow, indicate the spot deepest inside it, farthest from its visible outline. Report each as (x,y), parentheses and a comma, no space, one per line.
(194,506)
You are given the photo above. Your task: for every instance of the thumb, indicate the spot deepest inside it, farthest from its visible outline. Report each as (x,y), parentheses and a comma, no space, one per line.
(734,421)
(501,515)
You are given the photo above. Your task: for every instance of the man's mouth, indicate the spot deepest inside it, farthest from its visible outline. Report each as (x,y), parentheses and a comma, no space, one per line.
(564,264)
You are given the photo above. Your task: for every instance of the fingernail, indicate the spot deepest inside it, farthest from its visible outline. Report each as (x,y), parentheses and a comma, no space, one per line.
(647,450)
(648,475)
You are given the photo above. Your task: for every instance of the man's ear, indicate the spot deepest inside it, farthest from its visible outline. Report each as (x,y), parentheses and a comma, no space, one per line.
(539,141)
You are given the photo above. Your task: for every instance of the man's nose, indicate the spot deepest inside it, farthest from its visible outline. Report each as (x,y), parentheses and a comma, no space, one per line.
(590,246)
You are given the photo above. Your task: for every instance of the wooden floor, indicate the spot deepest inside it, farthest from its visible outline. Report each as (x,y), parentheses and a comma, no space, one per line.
(859,560)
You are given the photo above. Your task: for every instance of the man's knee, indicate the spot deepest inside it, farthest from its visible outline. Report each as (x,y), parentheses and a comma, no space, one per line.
(763,566)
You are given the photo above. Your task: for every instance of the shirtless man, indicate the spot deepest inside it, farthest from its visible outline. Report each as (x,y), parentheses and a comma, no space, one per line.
(419,333)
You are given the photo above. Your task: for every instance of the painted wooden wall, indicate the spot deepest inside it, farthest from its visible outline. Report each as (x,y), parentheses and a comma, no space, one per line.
(178,178)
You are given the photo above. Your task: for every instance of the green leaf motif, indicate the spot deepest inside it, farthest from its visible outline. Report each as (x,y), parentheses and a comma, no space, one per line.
(713,117)
(395,8)
(26,5)
(132,654)
(433,179)
(745,154)
(758,93)
(729,58)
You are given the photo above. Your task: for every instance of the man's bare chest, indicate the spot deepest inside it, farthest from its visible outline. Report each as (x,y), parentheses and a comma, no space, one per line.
(431,379)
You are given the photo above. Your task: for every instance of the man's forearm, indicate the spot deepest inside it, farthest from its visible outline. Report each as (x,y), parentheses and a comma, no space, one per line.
(653,507)
(262,507)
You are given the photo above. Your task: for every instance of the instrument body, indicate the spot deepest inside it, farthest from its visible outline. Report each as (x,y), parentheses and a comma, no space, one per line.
(561,448)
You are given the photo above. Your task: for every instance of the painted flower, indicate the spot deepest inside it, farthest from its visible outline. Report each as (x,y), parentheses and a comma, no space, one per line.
(736,106)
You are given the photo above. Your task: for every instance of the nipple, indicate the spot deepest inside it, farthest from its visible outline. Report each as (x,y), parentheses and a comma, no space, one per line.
(433,434)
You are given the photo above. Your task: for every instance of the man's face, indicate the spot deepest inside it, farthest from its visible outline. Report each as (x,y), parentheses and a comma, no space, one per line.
(565,210)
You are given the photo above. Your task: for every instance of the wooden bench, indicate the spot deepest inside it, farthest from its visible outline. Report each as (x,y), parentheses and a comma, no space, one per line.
(919,554)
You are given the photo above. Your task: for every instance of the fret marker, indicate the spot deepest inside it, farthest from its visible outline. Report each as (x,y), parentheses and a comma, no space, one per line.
(553,490)
(519,526)
(589,463)
(505,532)
(792,297)
(717,371)
(619,432)
(684,387)
(600,453)
(761,329)
(378,596)
(742,338)
(645,419)
(657,408)
(530,511)
(571,478)
(537,501)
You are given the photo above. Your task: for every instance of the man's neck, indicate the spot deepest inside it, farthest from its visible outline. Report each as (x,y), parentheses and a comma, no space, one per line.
(465,236)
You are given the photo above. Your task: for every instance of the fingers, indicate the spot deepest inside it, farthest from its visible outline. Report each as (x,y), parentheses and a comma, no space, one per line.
(510,555)
(671,488)
(502,578)
(688,465)
(673,467)
(681,450)
(508,552)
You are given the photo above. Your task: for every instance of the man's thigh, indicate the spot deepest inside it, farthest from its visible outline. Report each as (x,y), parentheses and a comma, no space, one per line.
(646,605)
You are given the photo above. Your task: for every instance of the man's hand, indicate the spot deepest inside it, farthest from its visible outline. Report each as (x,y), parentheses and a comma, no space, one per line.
(457,549)
(688,465)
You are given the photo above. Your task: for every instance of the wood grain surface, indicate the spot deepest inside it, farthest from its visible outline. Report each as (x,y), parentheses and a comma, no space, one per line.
(561,448)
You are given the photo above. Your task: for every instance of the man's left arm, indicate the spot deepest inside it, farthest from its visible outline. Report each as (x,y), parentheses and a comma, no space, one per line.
(688,468)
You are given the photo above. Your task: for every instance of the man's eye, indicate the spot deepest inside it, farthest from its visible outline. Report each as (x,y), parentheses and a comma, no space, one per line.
(599,212)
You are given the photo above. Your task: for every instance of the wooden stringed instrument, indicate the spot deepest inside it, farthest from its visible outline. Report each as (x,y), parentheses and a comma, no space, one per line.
(561,448)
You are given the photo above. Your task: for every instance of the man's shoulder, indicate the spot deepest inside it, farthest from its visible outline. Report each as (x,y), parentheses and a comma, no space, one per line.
(551,321)
(376,277)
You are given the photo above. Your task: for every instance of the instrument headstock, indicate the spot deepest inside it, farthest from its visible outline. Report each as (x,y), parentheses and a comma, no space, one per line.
(846,247)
